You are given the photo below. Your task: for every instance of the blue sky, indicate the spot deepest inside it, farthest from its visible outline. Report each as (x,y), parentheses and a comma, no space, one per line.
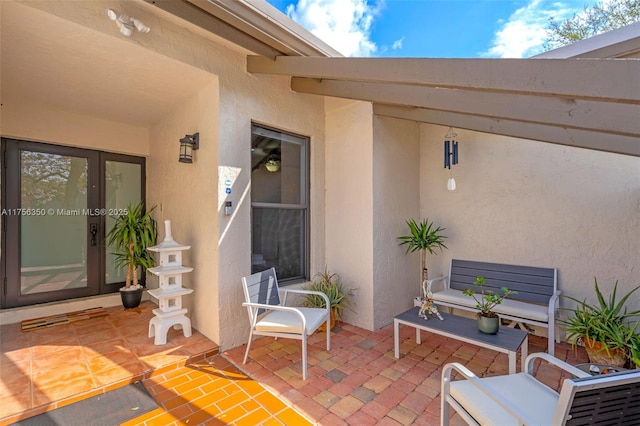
(431,28)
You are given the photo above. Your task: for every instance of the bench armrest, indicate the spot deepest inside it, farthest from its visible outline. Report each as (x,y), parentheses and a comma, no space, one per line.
(440,278)
(555,361)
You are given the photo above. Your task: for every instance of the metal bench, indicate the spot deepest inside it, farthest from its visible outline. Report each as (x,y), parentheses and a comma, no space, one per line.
(534,304)
(520,399)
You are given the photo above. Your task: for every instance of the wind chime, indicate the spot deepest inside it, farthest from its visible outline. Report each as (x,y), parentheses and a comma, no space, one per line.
(450,156)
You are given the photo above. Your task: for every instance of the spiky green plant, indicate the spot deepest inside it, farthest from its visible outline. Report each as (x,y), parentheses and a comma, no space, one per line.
(130,236)
(424,237)
(607,322)
(340,297)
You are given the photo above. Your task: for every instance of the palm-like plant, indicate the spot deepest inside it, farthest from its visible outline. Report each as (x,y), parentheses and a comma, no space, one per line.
(130,236)
(426,238)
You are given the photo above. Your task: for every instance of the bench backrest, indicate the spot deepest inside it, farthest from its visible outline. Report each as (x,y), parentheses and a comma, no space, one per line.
(608,399)
(533,284)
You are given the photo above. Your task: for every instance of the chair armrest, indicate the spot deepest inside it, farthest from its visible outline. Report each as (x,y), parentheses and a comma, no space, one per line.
(555,361)
(443,277)
(523,419)
(257,306)
(302,291)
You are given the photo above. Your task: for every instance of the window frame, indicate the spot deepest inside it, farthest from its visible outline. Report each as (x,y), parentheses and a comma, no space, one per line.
(304,205)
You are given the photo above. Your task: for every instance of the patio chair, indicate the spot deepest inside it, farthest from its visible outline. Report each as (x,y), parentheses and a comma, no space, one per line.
(269,316)
(520,399)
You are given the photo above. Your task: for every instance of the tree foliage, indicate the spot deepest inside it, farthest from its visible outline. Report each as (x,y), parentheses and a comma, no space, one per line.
(599,18)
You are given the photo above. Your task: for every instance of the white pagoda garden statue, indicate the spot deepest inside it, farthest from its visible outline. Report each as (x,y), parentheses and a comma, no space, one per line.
(170,312)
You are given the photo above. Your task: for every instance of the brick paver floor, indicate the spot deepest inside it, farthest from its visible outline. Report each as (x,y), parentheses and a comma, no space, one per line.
(359,382)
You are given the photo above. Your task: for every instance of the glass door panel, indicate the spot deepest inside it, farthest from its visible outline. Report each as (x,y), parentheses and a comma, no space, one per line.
(53,222)
(123,186)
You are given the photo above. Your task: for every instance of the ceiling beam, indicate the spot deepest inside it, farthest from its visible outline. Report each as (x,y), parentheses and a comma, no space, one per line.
(610,117)
(619,144)
(598,79)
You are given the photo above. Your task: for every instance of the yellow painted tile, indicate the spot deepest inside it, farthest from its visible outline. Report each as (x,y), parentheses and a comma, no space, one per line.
(251,387)
(232,415)
(162,420)
(232,400)
(291,417)
(270,402)
(253,418)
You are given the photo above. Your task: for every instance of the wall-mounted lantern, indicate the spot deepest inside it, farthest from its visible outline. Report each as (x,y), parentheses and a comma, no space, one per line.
(188,144)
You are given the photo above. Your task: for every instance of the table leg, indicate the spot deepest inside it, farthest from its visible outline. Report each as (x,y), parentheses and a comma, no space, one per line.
(396,337)
(512,362)
(418,336)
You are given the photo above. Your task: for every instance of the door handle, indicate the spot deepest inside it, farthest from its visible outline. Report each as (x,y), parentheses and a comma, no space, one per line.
(93,228)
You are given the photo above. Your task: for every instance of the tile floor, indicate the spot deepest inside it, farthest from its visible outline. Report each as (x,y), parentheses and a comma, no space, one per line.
(358,382)
(51,367)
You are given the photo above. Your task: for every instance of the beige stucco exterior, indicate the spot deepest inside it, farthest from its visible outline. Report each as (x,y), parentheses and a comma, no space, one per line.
(518,201)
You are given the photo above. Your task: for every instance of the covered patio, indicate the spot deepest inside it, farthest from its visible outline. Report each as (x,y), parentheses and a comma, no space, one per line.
(358,382)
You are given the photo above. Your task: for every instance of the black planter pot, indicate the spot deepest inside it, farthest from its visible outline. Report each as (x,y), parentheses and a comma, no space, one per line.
(131,299)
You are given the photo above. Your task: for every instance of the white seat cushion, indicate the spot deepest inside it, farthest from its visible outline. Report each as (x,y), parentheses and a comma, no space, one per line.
(289,322)
(535,400)
(508,307)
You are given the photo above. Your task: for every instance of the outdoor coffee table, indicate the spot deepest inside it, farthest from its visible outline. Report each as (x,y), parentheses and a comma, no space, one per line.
(506,341)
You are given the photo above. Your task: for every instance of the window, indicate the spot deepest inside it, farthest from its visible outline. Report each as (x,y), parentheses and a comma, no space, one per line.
(279,203)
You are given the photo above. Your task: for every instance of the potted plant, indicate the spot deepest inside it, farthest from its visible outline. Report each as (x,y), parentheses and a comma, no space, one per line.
(488,321)
(424,237)
(130,236)
(340,297)
(606,329)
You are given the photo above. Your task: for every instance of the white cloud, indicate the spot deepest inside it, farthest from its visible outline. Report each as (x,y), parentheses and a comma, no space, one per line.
(345,25)
(397,44)
(524,33)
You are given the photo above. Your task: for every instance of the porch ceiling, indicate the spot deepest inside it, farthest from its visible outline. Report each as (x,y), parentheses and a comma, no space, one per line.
(56,63)
(587,103)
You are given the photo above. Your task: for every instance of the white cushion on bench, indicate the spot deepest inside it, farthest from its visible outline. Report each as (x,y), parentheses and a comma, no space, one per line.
(289,322)
(513,308)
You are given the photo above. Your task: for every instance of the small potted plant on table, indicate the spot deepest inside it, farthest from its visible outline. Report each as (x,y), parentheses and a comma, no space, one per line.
(488,321)
(130,236)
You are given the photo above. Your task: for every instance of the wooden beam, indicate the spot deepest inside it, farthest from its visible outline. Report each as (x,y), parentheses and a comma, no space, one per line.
(609,117)
(598,79)
(619,144)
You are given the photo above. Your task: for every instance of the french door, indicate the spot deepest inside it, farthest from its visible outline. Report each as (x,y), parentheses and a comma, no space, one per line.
(57,205)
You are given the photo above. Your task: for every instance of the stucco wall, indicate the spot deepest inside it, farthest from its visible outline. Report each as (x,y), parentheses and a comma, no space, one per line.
(186,195)
(349,202)
(266,100)
(396,193)
(532,203)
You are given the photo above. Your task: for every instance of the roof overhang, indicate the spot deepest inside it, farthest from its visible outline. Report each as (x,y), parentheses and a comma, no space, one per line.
(254,25)
(587,103)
